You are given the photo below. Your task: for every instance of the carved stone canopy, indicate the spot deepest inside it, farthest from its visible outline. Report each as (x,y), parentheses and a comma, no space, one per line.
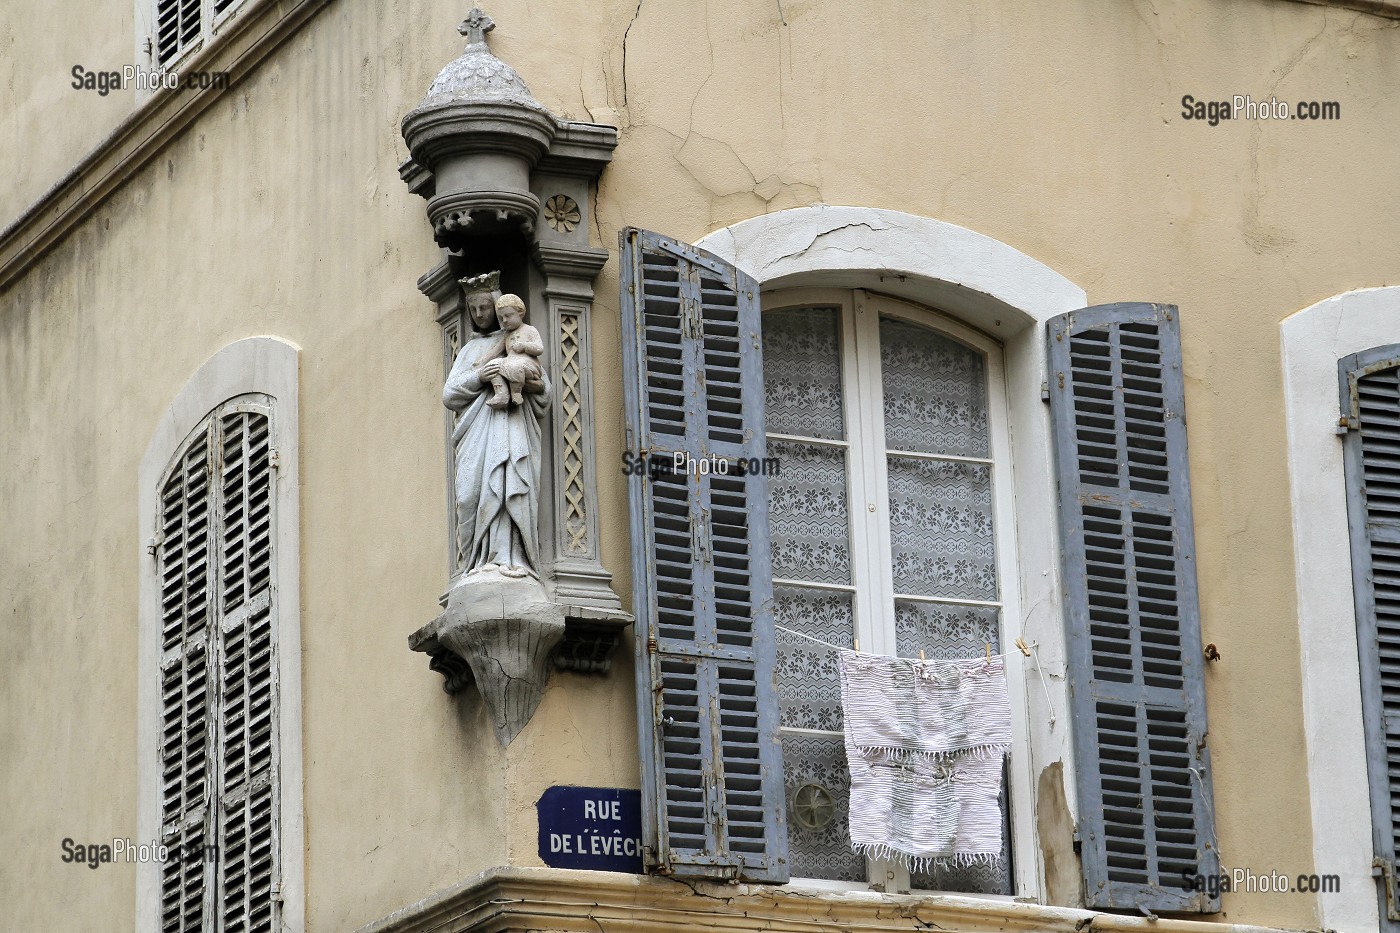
(479,132)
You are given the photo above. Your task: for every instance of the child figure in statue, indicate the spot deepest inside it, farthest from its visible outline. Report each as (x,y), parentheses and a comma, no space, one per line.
(520,368)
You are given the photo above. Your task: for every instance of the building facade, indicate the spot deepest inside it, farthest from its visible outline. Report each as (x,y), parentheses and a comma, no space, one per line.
(932,330)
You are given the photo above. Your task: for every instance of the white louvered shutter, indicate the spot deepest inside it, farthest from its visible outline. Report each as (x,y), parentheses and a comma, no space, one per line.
(707,710)
(219,792)
(1370,397)
(248,688)
(1132,617)
(177,27)
(185,527)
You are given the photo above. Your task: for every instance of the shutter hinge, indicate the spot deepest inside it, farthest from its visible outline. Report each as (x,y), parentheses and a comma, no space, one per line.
(151,546)
(1347,423)
(1386,869)
(274,457)
(147,45)
(1045,390)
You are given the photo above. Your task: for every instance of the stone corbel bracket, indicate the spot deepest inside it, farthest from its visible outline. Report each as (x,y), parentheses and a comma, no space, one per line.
(590,635)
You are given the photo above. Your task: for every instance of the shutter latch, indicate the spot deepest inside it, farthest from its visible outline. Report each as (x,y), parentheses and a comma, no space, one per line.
(1386,869)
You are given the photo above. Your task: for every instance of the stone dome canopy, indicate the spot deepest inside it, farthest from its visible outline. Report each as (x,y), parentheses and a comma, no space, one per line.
(477,75)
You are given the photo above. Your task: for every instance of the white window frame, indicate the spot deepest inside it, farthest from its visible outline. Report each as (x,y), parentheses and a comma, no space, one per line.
(996,290)
(264,366)
(1314,341)
(872,578)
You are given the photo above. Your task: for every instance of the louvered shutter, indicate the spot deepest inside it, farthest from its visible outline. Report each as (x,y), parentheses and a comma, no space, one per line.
(706,705)
(185,527)
(219,791)
(177,26)
(1136,673)
(1370,396)
(247,767)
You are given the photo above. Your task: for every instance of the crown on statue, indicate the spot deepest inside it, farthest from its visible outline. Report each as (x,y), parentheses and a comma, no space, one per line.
(486,282)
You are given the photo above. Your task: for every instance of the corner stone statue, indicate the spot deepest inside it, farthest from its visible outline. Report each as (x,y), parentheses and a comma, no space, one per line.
(496,440)
(499,617)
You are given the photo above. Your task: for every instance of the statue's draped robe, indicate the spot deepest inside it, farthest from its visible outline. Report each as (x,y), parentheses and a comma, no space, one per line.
(497,454)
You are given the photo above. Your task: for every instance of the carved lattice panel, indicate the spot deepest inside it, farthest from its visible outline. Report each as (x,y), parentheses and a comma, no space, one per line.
(575,523)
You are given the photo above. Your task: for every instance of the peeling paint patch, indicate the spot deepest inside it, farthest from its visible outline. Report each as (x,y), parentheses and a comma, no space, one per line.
(1055,829)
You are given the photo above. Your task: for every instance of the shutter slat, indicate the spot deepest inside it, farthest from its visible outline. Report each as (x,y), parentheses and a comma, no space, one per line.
(1370,399)
(1132,618)
(707,712)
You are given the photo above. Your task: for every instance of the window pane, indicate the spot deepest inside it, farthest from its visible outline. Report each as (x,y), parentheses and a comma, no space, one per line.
(941,528)
(809,686)
(818,788)
(935,392)
(802,372)
(808,517)
(944,632)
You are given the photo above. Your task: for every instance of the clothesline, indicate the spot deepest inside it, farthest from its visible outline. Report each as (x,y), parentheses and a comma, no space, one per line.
(1050,704)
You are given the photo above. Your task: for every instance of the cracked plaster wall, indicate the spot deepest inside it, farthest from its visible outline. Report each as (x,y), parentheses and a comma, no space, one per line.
(1054,128)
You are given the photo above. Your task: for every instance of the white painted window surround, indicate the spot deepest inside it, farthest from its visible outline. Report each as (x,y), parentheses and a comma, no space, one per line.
(1313,341)
(267,366)
(1008,296)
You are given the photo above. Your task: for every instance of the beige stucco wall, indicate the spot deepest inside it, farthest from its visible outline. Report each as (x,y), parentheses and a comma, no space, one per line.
(1054,128)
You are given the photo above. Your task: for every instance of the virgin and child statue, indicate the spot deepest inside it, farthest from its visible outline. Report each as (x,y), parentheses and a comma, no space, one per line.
(500,394)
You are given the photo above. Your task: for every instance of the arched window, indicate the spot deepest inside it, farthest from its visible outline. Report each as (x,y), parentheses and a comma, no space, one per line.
(886,424)
(218,687)
(220,698)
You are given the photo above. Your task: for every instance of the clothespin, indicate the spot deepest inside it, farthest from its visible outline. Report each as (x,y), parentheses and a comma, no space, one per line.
(921,654)
(857,641)
(988,646)
(1025,649)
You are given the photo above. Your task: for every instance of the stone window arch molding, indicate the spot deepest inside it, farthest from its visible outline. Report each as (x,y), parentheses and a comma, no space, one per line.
(1008,295)
(1314,340)
(266,367)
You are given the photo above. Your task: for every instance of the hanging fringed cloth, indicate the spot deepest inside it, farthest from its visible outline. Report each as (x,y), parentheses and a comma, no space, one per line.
(925,742)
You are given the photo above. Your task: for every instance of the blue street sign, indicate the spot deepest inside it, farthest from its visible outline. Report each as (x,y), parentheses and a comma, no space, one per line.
(598,828)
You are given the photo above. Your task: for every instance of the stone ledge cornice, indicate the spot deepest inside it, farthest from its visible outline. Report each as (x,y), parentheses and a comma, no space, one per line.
(242,44)
(509,899)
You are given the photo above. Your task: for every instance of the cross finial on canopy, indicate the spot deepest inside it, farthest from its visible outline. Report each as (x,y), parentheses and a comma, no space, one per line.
(476,26)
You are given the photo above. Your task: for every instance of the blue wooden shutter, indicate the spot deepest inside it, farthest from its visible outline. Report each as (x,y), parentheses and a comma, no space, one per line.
(707,709)
(1370,396)
(1146,826)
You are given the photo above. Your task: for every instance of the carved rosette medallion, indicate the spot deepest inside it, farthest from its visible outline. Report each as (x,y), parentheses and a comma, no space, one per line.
(562,213)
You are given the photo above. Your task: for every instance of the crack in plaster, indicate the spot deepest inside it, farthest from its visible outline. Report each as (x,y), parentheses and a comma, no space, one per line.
(625,33)
(1260,237)
(826,233)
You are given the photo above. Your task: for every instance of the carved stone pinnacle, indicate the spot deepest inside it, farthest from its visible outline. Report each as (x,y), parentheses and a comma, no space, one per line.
(476,26)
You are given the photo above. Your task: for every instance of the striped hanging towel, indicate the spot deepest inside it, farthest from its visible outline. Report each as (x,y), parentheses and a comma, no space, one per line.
(925,742)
